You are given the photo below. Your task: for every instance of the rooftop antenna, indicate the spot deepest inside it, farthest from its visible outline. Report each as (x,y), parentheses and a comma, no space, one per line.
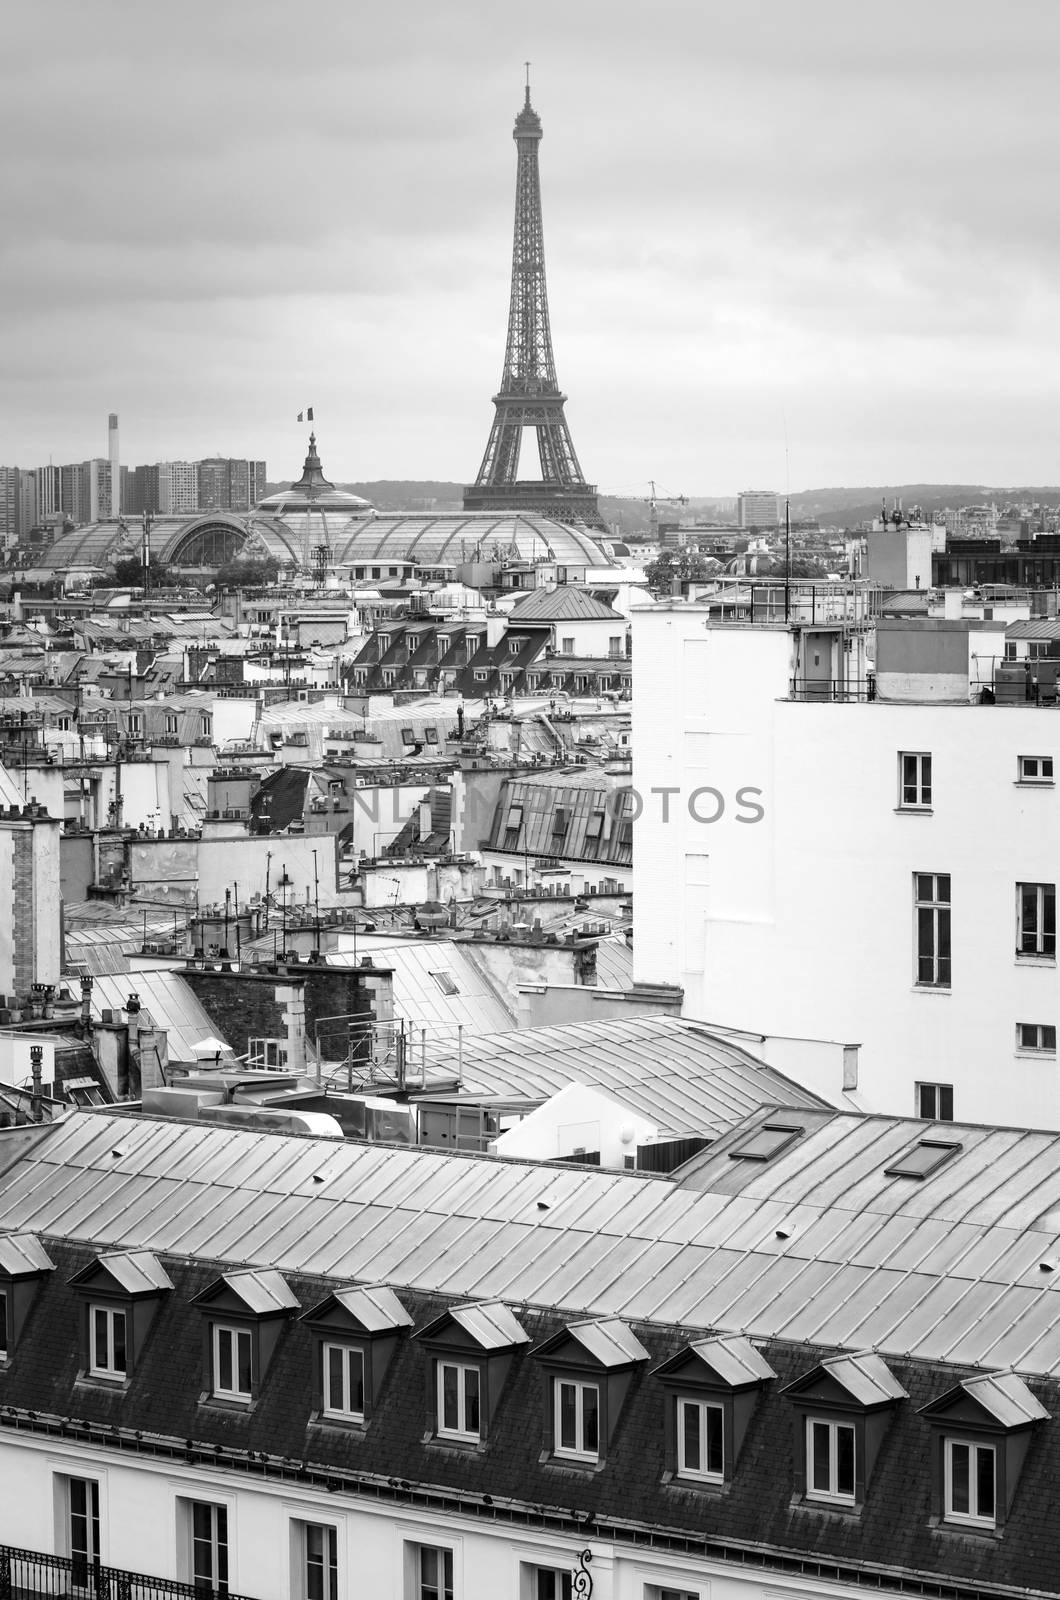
(526,64)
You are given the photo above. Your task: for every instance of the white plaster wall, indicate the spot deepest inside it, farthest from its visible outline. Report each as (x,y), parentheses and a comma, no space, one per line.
(803,924)
(578,1117)
(141,1531)
(233,719)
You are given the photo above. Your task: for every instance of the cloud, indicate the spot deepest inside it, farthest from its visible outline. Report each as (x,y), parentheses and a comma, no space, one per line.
(752,212)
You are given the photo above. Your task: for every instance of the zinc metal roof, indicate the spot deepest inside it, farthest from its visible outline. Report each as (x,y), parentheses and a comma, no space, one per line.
(610,1342)
(734,1359)
(492,1325)
(374,1306)
(675,1072)
(568,603)
(1034,628)
(1006,1397)
(262,1291)
(137,1271)
(22,1256)
(866,1377)
(476,1004)
(169,1001)
(951,1275)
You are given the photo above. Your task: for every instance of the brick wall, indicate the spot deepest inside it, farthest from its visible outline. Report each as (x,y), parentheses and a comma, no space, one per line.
(247,1005)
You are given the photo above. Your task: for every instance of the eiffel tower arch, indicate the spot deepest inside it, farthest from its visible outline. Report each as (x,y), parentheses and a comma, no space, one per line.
(530,396)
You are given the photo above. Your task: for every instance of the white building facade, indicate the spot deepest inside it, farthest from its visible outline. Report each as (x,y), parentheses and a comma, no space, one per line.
(881,873)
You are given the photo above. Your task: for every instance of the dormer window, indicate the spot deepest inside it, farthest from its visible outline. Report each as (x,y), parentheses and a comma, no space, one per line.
(107,1342)
(232,1362)
(343,1382)
(471,1348)
(24,1263)
(843,1408)
(121,1292)
(712,1387)
(355,1334)
(245,1314)
(588,1370)
(457,1399)
(982,1430)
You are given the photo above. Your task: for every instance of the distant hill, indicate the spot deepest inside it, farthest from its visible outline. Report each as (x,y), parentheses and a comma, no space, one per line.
(844,506)
(851,505)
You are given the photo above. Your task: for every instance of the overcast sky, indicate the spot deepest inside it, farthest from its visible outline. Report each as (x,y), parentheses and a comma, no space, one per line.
(790,243)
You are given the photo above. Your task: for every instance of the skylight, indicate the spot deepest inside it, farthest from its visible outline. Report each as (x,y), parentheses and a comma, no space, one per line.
(445,982)
(766,1142)
(924,1158)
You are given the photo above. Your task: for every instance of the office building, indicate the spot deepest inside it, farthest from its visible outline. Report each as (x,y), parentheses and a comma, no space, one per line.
(758,508)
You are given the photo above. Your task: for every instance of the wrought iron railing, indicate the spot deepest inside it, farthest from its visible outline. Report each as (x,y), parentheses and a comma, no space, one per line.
(25,1573)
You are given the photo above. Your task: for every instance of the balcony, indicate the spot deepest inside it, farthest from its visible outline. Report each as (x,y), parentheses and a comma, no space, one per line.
(29,1572)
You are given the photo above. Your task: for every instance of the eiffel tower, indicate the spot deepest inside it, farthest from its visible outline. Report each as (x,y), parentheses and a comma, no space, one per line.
(529,395)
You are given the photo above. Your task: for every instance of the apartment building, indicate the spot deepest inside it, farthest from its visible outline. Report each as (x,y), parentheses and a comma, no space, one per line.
(818,1360)
(865,859)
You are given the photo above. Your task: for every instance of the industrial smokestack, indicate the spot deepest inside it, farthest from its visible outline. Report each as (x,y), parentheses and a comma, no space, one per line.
(115,465)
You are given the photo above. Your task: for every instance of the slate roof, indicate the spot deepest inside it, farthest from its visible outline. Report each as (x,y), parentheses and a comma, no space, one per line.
(892,1536)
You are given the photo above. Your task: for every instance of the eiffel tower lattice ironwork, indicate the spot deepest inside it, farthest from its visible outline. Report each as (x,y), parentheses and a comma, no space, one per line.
(530,396)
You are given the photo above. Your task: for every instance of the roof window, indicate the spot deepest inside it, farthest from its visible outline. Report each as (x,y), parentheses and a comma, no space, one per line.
(924,1158)
(766,1142)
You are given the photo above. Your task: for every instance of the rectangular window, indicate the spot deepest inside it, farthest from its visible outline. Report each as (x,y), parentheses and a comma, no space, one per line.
(914,780)
(567,646)
(205,727)
(318,1561)
(171,724)
(1039,1036)
(431,1573)
(5,1327)
(655,1591)
(343,1382)
(614,645)
(209,1547)
(829,1460)
(82,1528)
(577,1419)
(934,1102)
(700,1435)
(458,1401)
(547,1583)
(970,1479)
(231,1362)
(1035,769)
(932,891)
(107,1349)
(1036,920)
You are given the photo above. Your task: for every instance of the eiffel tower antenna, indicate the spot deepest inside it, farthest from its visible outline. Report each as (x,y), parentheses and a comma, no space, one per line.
(529,395)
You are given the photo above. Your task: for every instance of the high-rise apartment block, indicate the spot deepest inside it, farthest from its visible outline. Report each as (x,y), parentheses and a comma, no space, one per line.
(228,484)
(178,488)
(49,495)
(9,505)
(758,508)
(84,490)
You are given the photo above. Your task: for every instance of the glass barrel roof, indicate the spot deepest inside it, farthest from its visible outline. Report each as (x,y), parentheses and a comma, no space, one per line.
(211,538)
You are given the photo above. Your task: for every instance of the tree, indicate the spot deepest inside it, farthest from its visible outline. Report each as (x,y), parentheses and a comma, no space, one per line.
(248,574)
(678,566)
(129,573)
